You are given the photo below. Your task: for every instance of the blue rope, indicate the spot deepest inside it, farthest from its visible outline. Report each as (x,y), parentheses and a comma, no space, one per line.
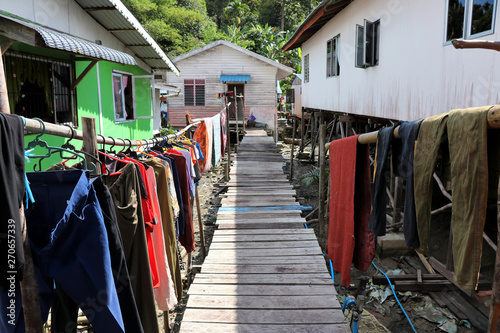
(394,293)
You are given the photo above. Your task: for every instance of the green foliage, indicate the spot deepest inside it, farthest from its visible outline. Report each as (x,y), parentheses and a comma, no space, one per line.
(179,26)
(311,178)
(164,131)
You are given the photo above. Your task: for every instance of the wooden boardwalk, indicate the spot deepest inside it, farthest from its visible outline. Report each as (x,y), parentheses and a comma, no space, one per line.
(264,271)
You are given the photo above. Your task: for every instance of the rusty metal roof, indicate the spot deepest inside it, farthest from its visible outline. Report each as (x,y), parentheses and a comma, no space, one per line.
(120,22)
(325,11)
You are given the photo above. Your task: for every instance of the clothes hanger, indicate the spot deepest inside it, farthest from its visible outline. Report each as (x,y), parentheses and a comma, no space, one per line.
(142,152)
(50,149)
(110,149)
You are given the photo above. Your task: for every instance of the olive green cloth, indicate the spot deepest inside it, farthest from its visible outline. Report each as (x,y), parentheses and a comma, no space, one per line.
(468,149)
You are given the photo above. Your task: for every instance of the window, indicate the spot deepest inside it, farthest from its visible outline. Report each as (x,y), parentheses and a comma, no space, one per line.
(122,97)
(469,18)
(332,59)
(40,87)
(194,92)
(367,44)
(306,68)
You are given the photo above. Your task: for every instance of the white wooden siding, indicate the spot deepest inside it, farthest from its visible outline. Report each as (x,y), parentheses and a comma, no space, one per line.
(260,92)
(417,75)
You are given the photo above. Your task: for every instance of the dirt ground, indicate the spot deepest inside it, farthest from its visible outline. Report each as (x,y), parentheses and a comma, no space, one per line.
(382,313)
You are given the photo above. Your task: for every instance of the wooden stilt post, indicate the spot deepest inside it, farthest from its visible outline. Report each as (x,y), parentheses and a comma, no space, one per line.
(302,127)
(228,144)
(29,286)
(4,97)
(200,223)
(321,162)
(494,320)
(237,119)
(293,147)
(90,141)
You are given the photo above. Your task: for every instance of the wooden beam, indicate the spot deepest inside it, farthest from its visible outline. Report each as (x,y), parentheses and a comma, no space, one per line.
(83,74)
(4,97)
(18,32)
(494,318)
(476,44)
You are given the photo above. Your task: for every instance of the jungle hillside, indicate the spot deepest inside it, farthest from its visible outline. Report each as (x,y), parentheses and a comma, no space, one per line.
(261,26)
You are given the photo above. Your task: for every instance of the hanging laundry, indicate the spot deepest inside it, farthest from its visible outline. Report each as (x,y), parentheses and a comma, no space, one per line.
(349,238)
(402,154)
(12,187)
(216,153)
(223,131)
(378,218)
(203,135)
(187,238)
(125,189)
(168,224)
(70,247)
(468,150)
(165,294)
(64,311)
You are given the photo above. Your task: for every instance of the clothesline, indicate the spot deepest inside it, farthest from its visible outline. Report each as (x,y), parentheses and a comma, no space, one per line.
(36,126)
(493,122)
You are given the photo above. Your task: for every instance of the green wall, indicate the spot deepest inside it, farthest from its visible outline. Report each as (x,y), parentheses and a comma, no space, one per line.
(87,101)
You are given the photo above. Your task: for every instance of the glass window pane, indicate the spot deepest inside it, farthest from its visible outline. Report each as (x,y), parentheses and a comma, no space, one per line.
(455,26)
(200,81)
(117,95)
(188,81)
(189,95)
(482,16)
(360,46)
(200,95)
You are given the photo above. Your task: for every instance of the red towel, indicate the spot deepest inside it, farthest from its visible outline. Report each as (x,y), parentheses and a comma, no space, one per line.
(350,193)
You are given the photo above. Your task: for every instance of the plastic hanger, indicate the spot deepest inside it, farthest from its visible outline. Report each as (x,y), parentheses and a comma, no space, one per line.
(142,152)
(50,149)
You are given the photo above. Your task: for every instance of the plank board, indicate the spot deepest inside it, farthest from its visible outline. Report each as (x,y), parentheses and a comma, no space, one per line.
(271,225)
(257,214)
(258,203)
(266,279)
(266,269)
(244,252)
(318,259)
(263,290)
(263,220)
(259,302)
(265,245)
(265,232)
(198,327)
(302,316)
(261,238)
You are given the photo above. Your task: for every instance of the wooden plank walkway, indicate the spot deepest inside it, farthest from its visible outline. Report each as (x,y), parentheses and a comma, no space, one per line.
(264,271)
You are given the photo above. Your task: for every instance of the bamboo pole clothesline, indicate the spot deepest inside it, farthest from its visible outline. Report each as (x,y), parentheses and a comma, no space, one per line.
(36,126)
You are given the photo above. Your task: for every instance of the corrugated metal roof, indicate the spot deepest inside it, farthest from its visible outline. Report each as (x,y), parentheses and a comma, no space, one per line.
(118,20)
(65,42)
(234,78)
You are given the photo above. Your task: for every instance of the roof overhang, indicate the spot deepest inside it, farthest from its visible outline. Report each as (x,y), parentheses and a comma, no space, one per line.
(325,11)
(29,33)
(234,78)
(119,21)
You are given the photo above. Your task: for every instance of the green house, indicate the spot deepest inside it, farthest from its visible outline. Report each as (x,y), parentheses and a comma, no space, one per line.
(64,60)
